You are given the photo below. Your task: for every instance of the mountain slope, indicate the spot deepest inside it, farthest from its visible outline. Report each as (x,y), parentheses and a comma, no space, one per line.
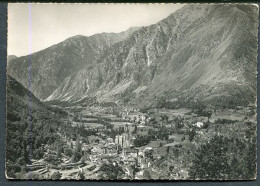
(200,52)
(29,125)
(50,66)
(218,66)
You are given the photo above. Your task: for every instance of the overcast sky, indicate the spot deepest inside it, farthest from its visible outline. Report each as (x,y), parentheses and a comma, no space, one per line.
(52,23)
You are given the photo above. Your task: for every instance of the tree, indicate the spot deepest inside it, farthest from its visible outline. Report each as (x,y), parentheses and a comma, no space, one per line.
(51,159)
(148,153)
(192,134)
(67,151)
(168,149)
(147,175)
(38,153)
(33,176)
(38,142)
(224,158)
(108,174)
(171,168)
(141,140)
(58,155)
(165,118)
(81,175)
(179,122)
(56,175)
(76,156)
(135,129)
(208,114)
(163,133)
(110,126)
(211,161)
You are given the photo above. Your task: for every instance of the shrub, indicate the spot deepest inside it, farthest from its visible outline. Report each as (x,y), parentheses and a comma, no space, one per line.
(56,175)
(224,158)
(225,121)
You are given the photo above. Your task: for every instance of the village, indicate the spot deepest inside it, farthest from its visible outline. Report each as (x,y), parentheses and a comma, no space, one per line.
(135,143)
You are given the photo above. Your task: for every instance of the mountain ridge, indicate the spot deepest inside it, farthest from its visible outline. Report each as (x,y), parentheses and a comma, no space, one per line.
(183,47)
(50,66)
(199,53)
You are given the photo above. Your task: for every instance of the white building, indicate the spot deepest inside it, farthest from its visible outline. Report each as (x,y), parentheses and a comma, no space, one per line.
(198,124)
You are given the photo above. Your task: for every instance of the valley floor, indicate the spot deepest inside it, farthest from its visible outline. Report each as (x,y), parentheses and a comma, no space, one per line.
(157,144)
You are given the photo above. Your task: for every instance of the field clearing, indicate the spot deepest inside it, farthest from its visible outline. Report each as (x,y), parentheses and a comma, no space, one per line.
(185,144)
(90,119)
(86,112)
(173,112)
(120,124)
(93,125)
(227,114)
(109,116)
(155,144)
(178,137)
(160,151)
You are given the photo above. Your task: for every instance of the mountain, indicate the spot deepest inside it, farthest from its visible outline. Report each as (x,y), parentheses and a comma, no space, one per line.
(30,125)
(49,67)
(19,103)
(11,57)
(199,53)
(17,92)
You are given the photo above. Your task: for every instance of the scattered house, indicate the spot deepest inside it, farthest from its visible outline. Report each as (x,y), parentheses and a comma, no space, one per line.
(91,167)
(168,126)
(129,170)
(128,127)
(198,124)
(135,116)
(110,140)
(144,119)
(103,142)
(201,132)
(140,158)
(86,147)
(129,152)
(94,158)
(108,157)
(95,150)
(110,148)
(130,161)
(148,162)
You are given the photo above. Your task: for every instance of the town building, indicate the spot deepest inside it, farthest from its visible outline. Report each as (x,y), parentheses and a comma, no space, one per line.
(123,140)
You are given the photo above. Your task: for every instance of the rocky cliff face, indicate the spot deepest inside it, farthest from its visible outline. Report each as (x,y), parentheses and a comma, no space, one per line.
(200,52)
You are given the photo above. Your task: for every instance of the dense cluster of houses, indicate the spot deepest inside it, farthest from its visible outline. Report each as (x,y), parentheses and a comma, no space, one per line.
(121,149)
